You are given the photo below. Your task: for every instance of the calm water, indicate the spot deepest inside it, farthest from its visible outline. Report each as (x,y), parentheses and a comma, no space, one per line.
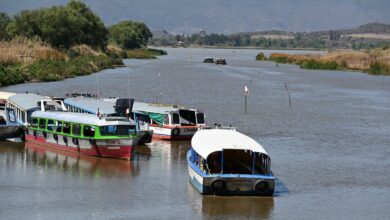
(330,150)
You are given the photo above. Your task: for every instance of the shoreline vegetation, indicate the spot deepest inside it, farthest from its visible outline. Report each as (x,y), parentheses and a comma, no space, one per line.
(31,60)
(373,62)
(52,44)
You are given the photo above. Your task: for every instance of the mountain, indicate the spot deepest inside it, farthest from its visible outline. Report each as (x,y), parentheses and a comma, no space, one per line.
(229,16)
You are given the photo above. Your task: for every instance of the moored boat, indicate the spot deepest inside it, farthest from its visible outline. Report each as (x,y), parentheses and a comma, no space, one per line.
(226,162)
(170,122)
(87,134)
(9,127)
(111,107)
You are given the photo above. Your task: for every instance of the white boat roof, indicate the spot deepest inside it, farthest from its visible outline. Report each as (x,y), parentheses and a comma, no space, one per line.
(91,105)
(6,95)
(156,108)
(26,101)
(207,141)
(83,118)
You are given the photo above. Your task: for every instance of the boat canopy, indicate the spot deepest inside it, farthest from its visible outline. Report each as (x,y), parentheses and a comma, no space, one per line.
(26,101)
(6,95)
(82,118)
(91,105)
(208,141)
(155,108)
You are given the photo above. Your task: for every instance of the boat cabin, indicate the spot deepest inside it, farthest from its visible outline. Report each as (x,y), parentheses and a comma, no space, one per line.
(25,104)
(224,151)
(162,114)
(81,125)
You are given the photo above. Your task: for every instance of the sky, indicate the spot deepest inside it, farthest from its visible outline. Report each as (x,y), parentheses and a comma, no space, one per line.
(229,16)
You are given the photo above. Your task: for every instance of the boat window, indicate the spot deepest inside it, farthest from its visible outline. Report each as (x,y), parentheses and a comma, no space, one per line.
(66,128)
(2,121)
(200,118)
(214,162)
(237,161)
(76,129)
(166,119)
(42,123)
(89,131)
(175,118)
(115,130)
(34,123)
(262,164)
(50,125)
(59,126)
(187,117)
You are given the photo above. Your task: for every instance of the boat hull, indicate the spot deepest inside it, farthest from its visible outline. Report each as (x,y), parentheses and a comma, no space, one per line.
(230,184)
(10,131)
(118,148)
(178,133)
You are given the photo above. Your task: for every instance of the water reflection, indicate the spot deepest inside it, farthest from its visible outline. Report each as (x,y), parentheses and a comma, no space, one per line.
(237,206)
(79,164)
(170,150)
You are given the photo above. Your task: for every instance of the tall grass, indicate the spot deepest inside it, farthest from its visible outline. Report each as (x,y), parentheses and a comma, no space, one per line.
(26,51)
(374,61)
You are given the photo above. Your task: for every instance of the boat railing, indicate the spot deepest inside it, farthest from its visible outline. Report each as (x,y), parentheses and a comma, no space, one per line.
(217,126)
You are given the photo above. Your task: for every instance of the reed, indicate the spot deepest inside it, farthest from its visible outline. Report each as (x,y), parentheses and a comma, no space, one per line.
(24,51)
(375,62)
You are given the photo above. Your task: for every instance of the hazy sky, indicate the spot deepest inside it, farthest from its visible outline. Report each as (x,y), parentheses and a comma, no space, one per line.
(227,16)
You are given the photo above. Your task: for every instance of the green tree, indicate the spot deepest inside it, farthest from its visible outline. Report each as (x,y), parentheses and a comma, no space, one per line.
(63,26)
(4,21)
(129,34)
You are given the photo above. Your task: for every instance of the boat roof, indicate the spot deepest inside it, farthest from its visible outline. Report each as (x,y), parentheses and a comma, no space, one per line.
(91,105)
(207,141)
(6,95)
(83,118)
(156,107)
(26,101)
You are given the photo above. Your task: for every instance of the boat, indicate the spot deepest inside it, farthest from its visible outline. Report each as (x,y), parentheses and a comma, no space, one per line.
(208,60)
(86,134)
(110,107)
(170,122)
(221,61)
(227,162)
(9,127)
(24,105)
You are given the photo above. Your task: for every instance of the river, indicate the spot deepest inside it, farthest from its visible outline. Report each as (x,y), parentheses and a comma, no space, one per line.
(330,148)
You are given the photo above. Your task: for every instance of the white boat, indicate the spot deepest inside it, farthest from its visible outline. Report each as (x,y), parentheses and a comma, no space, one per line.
(110,108)
(10,129)
(226,162)
(170,122)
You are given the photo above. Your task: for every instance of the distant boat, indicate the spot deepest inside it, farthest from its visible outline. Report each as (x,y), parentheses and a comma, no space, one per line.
(226,162)
(208,60)
(221,61)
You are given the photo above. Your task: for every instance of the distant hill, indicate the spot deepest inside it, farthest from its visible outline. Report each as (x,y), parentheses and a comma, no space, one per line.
(230,16)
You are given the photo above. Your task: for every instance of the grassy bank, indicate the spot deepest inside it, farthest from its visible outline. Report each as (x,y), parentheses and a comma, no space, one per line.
(142,53)
(375,62)
(30,60)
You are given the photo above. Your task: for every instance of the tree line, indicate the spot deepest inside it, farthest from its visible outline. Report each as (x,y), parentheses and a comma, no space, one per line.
(73,24)
(312,40)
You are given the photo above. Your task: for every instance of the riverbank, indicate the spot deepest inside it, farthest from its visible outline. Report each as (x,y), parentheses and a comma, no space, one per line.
(30,60)
(374,62)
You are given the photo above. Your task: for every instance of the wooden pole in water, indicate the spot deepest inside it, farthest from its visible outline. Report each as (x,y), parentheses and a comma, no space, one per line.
(383,76)
(288,93)
(246,93)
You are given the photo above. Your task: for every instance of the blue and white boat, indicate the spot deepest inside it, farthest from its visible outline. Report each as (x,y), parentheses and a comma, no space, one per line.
(226,162)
